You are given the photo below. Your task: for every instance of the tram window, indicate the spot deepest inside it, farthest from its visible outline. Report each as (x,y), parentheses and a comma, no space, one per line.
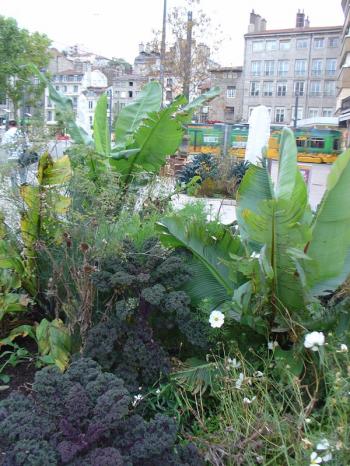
(300,142)
(336,144)
(317,143)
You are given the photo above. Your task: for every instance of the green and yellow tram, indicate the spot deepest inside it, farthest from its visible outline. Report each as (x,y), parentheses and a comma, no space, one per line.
(314,145)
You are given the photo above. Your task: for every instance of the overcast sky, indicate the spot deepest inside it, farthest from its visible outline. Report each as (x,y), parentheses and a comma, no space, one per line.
(116,27)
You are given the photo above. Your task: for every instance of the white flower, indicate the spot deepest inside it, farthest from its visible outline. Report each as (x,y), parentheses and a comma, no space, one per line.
(323,445)
(308,420)
(258,374)
(343,348)
(247,401)
(137,398)
(314,340)
(315,459)
(234,363)
(239,381)
(158,391)
(255,255)
(216,319)
(327,457)
(271,345)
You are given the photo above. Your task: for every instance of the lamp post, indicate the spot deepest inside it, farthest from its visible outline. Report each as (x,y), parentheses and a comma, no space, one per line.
(162,49)
(296,109)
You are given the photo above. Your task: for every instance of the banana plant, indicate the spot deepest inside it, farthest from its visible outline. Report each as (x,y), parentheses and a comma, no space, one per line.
(287,256)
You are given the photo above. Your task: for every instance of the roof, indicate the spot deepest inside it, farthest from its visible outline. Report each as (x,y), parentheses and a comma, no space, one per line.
(69,72)
(227,68)
(296,30)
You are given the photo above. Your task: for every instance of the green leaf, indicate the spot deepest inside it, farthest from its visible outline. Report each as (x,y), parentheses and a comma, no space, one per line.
(102,138)
(159,136)
(54,342)
(64,106)
(287,168)
(131,116)
(329,247)
(211,249)
(288,361)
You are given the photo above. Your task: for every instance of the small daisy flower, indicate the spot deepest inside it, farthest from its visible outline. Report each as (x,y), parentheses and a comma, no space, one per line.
(315,459)
(234,363)
(271,345)
(239,381)
(323,445)
(247,401)
(314,340)
(216,319)
(327,457)
(343,348)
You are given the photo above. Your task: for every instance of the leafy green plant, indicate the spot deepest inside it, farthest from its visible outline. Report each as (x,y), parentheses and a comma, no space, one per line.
(11,357)
(284,257)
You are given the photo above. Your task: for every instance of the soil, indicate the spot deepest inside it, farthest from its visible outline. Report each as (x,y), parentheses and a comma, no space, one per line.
(21,376)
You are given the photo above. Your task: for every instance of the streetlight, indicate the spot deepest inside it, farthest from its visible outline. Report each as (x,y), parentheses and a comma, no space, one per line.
(296,109)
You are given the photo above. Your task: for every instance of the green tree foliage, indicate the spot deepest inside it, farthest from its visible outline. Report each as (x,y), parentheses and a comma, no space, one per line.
(18,47)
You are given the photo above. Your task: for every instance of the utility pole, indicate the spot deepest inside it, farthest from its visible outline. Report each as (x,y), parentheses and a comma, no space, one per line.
(188,57)
(110,104)
(296,109)
(162,49)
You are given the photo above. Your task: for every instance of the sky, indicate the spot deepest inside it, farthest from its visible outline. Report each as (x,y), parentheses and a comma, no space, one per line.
(114,28)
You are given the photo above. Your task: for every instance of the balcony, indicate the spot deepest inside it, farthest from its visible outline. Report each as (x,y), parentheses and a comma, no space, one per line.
(344,77)
(345,49)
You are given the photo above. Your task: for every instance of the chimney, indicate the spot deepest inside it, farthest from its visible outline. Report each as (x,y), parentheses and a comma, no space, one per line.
(252,17)
(307,23)
(263,24)
(300,19)
(257,23)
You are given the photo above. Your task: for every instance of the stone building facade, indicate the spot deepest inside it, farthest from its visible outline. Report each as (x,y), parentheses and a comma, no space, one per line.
(227,107)
(280,65)
(343,97)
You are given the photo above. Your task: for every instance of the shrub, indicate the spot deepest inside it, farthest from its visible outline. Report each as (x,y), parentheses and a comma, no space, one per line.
(84,417)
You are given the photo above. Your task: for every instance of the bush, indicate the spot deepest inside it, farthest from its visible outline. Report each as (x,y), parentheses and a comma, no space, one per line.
(84,417)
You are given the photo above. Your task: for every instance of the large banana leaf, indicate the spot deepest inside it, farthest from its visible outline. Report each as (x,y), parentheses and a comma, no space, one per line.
(64,106)
(102,137)
(277,222)
(214,279)
(159,136)
(130,118)
(329,247)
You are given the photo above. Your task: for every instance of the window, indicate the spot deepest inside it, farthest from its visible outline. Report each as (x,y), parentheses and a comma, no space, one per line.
(269,67)
(123,94)
(75,77)
(57,88)
(302,43)
(300,67)
(229,112)
(254,88)
(131,83)
(75,101)
(329,88)
(284,44)
(281,88)
(299,88)
(79,77)
(315,88)
(91,120)
(168,95)
(317,143)
(91,104)
(271,45)
(70,78)
(301,141)
(75,88)
(283,67)
(333,42)
(316,69)
(313,112)
(64,88)
(331,66)
(279,114)
(49,103)
(327,112)
(299,113)
(268,88)
(49,115)
(231,92)
(169,82)
(336,144)
(130,94)
(319,43)
(258,46)
(256,68)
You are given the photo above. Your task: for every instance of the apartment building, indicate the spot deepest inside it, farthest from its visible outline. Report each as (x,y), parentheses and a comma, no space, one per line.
(227,107)
(343,97)
(292,68)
